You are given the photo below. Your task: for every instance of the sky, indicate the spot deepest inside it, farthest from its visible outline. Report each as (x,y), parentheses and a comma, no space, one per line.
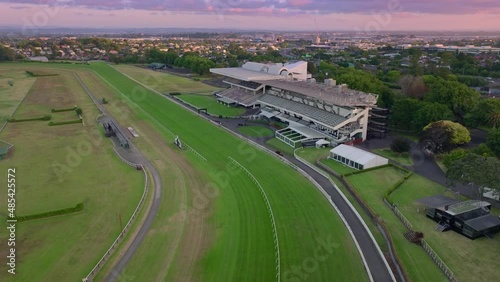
(312,15)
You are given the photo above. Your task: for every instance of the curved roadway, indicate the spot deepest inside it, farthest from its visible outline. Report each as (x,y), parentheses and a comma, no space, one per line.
(377,264)
(133,155)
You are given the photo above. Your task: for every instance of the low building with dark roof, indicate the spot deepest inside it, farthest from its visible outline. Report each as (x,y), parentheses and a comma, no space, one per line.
(472,219)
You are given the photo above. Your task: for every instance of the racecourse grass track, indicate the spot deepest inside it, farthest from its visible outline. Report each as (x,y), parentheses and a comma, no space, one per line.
(165,82)
(302,214)
(63,248)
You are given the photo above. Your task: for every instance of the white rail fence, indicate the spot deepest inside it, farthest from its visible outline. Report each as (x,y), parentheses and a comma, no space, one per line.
(271,216)
(120,237)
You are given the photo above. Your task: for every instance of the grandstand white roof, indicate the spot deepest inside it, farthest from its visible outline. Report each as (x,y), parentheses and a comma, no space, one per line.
(354,154)
(243,74)
(257,71)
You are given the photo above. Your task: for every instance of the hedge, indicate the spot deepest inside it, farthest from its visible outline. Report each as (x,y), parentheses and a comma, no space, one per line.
(65,122)
(45,117)
(39,75)
(79,207)
(396,186)
(174,93)
(63,110)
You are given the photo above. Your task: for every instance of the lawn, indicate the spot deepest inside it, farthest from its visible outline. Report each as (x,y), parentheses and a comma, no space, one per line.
(11,96)
(278,145)
(338,167)
(211,104)
(372,185)
(166,83)
(58,167)
(255,131)
(470,260)
(403,158)
(238,230)
(313,154)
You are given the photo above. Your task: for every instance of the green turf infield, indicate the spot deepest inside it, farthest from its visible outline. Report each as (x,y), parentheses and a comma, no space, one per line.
(305,220)
(165,82)
(58,167)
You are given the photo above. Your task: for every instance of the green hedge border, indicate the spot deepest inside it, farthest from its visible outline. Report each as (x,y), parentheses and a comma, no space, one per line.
(45,117)
(65,122)
(40,75)
(78,208)
(63,110)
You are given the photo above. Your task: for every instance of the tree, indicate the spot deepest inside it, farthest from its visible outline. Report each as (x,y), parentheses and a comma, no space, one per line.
(457,96)
(6,54)
(400,145)
(493,117)
(493,141)
(484,113)
(442,136)
(453,156)
(413,86)
(78,111)
(431,112)
(403,113)
(478,171)
(393,76)
(483,150)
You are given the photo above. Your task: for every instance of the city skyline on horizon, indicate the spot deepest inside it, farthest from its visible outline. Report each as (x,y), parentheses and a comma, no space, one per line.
(275,15)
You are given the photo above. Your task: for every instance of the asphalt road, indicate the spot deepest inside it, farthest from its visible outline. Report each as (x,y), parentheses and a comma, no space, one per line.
(132,155)
(375,261)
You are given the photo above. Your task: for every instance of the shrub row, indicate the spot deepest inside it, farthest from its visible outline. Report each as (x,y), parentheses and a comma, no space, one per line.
(63,110)
(174,93)
(396,186)
(39,75)
(65,122)
(45,117)
(79,207)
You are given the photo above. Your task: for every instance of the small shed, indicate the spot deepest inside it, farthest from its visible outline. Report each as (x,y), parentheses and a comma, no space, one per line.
(322,143)
(356,158)
(471,218)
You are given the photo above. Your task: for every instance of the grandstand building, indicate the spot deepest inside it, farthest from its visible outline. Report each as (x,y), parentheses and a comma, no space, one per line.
(286,92)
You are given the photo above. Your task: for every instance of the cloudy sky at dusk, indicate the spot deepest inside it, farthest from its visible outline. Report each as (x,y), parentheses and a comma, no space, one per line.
(363,15)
